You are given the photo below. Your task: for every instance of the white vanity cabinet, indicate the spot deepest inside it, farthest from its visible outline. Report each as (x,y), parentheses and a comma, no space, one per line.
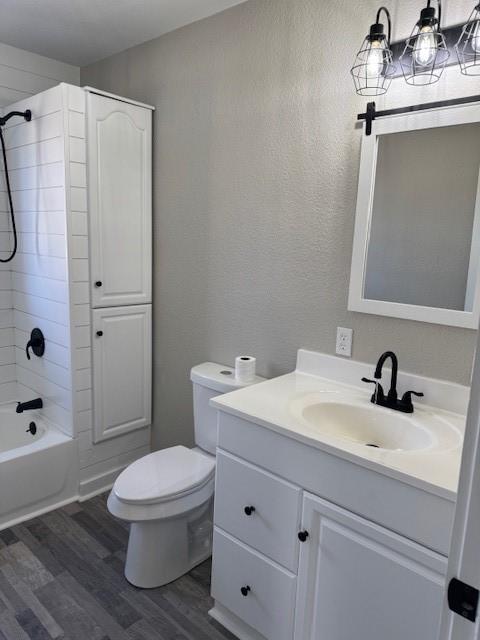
(348,578)
(119,147)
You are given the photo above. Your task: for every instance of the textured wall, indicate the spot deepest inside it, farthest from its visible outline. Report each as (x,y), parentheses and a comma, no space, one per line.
(255,175)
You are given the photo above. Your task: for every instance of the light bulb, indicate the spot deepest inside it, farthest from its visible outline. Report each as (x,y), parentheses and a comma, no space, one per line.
(476,37)
(425,49)
(375,60)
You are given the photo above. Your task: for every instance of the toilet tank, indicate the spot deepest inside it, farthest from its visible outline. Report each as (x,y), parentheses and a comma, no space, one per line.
(210,380)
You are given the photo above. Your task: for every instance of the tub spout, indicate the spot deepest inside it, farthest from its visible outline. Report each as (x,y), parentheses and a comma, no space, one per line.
(30,405)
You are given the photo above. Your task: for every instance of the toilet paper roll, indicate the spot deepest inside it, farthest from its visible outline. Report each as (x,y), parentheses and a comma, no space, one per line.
(245,367)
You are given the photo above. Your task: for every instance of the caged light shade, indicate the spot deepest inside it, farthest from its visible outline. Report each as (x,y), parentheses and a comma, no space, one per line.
(373,69)
(426,53)
(468,45)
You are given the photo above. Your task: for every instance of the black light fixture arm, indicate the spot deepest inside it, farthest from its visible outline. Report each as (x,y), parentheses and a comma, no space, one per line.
(27,115)
(439,2)
(389,22)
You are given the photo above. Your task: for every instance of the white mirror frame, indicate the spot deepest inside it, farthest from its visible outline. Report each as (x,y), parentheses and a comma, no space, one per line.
(442,117)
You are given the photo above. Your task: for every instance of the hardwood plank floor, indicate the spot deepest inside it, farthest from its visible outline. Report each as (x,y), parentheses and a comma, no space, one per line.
(61,577)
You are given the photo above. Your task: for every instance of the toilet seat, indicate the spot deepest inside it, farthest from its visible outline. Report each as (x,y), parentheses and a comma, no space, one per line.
(162,485)
(164,476)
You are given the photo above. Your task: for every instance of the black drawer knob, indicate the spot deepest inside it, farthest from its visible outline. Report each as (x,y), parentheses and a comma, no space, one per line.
(98,283)
(249,511)
(99,334)
(302,536)
(245,591)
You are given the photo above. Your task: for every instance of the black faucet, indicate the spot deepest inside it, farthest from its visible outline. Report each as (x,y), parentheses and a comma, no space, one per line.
(30,405)
(391,400)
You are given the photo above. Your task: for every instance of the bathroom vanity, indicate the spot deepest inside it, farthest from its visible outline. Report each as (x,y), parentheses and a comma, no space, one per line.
(319,534)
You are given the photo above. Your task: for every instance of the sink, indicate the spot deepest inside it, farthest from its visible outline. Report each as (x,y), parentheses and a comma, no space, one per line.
(369,426)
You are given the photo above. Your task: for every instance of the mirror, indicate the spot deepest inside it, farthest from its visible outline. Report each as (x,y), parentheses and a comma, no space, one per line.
(417,234)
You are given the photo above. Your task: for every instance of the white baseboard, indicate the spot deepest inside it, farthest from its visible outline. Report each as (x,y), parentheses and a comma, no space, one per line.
(100,477)
(98,484)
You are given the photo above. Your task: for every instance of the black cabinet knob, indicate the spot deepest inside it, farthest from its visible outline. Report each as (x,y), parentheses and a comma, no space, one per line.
(245,591)
(302,536)
(99,334)
(98,283)
(249,511)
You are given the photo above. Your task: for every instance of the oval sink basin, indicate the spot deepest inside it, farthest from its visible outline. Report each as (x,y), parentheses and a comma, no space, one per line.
(369,426)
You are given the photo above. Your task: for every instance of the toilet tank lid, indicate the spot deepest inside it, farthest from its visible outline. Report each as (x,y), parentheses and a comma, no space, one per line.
(218,377)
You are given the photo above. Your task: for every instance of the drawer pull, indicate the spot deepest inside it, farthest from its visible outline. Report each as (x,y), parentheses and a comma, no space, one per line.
(98,284)
(245,591)
(303,535)
(249,511)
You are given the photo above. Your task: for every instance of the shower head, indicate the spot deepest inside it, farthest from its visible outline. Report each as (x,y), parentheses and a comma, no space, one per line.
(27,115)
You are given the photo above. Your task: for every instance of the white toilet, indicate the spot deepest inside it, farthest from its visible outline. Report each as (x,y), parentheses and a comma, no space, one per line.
(168,495)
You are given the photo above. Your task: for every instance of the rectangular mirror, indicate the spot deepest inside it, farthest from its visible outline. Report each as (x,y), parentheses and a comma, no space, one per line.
(417,231)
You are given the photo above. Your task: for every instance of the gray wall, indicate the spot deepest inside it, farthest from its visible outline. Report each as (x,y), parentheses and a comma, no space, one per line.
(255,174)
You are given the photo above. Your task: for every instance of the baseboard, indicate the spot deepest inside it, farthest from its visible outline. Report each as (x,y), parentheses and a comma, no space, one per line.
(98,484)
(232,623)
(101,476)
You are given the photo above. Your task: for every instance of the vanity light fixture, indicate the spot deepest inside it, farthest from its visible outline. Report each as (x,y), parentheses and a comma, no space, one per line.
(373,69)
(426,53)
(468,45)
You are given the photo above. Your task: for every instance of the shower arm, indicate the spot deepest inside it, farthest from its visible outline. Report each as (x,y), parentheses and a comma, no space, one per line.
(27,115)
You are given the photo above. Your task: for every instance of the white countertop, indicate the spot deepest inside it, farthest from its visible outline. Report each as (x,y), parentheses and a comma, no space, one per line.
(271,404)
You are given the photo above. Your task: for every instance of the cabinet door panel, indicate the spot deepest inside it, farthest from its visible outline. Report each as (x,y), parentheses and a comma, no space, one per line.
(121,370)
(120,206)
(357,580)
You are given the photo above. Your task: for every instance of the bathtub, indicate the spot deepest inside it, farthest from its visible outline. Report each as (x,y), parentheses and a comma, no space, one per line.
(38,472)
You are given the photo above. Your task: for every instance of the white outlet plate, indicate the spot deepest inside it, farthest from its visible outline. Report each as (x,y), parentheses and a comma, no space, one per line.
(344,342)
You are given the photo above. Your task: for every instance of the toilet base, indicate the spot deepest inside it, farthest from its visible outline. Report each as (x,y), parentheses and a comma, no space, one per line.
(160,551)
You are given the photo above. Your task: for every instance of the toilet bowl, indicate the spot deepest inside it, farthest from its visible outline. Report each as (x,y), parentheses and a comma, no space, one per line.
(167,496)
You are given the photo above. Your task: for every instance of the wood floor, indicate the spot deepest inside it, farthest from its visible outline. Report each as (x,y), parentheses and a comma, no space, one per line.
(61,576)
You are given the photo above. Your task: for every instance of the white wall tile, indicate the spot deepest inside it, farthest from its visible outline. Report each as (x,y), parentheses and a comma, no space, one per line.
(79,223)
(78,199)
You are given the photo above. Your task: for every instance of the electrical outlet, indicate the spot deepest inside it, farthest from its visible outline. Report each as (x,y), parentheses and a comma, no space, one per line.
(344,342)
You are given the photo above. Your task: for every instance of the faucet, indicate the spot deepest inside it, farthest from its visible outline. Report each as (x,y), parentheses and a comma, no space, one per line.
(30,405)
(391,400)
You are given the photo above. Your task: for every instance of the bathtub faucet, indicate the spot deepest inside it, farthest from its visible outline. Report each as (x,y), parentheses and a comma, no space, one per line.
(30,405)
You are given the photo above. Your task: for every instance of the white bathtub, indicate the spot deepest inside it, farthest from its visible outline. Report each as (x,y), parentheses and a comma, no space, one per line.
(37,472)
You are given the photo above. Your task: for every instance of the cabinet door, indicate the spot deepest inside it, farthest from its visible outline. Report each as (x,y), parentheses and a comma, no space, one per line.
(358,580)
(120,201)
(122,375)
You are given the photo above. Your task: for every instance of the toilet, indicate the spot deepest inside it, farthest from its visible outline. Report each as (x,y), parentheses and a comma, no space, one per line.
(167,496)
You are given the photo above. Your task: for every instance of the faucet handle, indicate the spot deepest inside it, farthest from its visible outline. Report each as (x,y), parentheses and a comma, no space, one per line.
(379,393)
(407,399)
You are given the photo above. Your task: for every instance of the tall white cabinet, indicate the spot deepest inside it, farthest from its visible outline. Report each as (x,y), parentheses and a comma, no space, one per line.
(119,172)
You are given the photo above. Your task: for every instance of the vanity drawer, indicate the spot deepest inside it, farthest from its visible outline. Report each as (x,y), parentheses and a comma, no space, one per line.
(268,605)
(273,525)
